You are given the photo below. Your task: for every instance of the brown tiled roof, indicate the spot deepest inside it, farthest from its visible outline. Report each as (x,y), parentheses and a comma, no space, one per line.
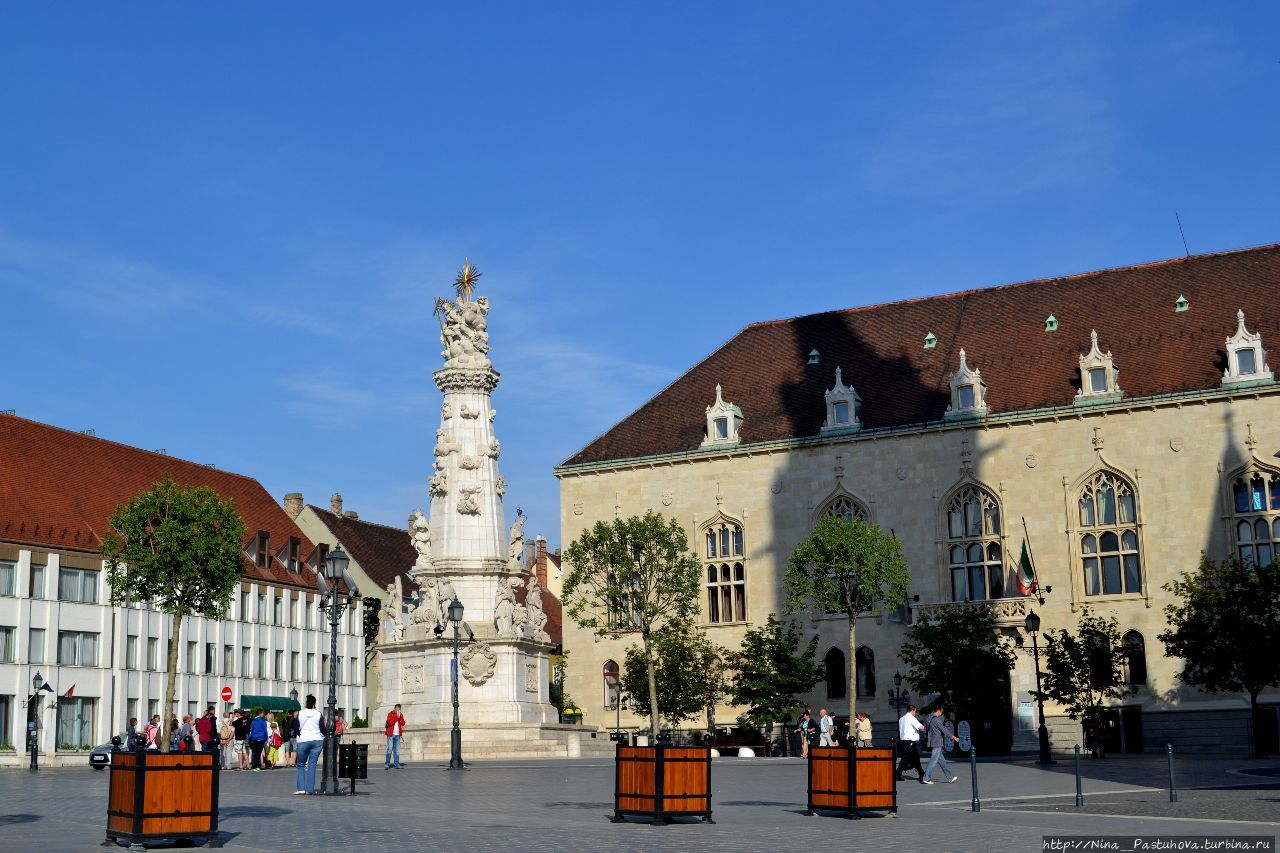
(764,369)
(383,552)
(58,489)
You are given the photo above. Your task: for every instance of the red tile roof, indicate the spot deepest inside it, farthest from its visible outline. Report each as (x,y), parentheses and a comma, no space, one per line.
(383,552)
(764,369)
(58,489)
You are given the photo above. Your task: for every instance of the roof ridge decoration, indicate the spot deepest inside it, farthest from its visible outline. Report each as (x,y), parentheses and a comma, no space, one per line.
(1099,376)
(968,392)
(843,407)
(1246,359)
(724,422)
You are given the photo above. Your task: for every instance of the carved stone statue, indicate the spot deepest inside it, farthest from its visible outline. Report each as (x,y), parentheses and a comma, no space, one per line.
(470,463)
(468,411)
(446,595)
(420,534)
(438,484)
(469,502)
(445,444)
(533,604)
(392,612)
(504,605)
(515,544)
(464,332)
(500,485)
(495,449)
(428,608)
(493,413)
(446,411)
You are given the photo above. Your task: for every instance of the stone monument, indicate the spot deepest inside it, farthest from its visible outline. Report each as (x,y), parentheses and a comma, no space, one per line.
(465,550)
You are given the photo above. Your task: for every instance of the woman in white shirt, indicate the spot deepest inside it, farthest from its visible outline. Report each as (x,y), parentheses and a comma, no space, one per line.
(310,742)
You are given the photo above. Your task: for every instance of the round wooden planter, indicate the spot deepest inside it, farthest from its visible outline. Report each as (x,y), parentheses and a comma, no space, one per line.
(849,780)
(662,782)
(156,795)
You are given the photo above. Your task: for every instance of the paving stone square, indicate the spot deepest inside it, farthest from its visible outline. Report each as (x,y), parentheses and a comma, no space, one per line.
(759,804)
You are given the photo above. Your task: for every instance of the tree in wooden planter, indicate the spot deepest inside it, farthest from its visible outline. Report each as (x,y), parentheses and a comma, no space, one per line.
(688,671)
(771,672)
(181,548)
(630,577)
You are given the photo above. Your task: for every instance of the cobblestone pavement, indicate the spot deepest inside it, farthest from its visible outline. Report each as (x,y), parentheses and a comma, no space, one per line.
(759,805)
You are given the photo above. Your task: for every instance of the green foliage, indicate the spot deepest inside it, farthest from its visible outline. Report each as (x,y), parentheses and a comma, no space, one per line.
(770,672)
(846,567)
(559,699)
(689,670)
(182,549)
(631,576)
(957,653)
(1084,670)
(1225,626)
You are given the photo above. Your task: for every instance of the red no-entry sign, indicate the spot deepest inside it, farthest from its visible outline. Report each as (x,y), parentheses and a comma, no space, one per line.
(226,694)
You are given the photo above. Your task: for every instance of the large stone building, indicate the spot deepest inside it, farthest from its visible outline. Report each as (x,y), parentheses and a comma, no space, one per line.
(106,664)
(1129,416)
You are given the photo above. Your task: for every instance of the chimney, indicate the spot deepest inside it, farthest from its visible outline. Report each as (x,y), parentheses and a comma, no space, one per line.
(293,505)
(351,513)
(335,503)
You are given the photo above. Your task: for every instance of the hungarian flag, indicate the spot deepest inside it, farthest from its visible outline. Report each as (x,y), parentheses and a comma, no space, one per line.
(70,694)
(1027,581)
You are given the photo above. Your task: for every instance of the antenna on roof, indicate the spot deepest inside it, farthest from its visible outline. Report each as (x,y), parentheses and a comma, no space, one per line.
(1185,250)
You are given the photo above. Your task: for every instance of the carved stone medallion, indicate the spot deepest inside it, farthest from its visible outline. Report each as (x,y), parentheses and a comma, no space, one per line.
(1176,444)
(1032,460)
(667,498)
(530,678)
(577,507)
(411,678)
(478,663)
(901,473)
(469,502)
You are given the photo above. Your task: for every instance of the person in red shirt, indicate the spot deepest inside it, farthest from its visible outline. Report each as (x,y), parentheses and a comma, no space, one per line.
(394,730)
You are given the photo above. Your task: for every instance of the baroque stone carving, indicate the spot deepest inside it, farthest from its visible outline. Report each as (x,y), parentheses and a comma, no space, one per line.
(428,609)
(533,605)
(504,607)
(420,535)
(438,484)
(446,444)
(460,379)
(500,485)
(445,595)
(446,411)
(464,332)
(470,463)
(495,449)
(391,614)
(1032,460)
(1176,445)
(577,507)
(530,678)
(469,502)
(493,413)
(478,663)
(411,678)
(1008,611)
(667,498)
(515,543)
(469,412)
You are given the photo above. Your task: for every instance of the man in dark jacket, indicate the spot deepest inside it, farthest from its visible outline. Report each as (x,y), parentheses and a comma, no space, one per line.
(207,734)
(936,737)
(258,734)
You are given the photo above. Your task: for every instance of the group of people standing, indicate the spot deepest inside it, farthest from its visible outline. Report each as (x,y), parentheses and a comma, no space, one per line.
(826,731)
(937,737)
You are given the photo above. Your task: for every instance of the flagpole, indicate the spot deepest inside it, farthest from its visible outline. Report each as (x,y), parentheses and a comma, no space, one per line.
(1031,556)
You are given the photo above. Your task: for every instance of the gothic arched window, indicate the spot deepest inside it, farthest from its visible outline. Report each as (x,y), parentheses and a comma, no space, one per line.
(1135,658)
(864,664)
(844,507)
(974,553)
(724,566)
(1109,536)
(837,674)
(1255,499)
(612,683)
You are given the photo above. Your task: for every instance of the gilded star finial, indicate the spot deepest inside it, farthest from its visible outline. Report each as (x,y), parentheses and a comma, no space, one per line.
(466,280)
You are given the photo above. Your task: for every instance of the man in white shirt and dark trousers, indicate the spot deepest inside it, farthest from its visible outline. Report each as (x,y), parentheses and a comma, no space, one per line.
(909,729)
(826,728)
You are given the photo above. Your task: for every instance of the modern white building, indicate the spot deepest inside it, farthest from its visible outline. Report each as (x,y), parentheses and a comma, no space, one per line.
(106,664)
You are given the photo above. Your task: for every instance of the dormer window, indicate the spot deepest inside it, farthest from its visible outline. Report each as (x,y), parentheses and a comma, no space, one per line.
(724,422)
(968,392)
(1246,359)
(843,405)
(1099,377)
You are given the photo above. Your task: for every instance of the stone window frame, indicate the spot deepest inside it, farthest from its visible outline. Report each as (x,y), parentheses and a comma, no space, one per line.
(985,539)
(1076,532)
(1245,341)
(1097,364)
(864,676)
(610,697)
(971,379)
(837,676)
(1267,478)
(841,497)
(730,570)
(723,417)
(1134,651)
(837,396)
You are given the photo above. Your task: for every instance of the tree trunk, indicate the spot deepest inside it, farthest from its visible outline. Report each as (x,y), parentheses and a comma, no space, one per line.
(853,665)
(653,690)
(171,682)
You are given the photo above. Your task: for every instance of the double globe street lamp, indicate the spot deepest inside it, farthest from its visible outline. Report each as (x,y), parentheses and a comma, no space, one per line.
(1033,628)
(332,599)
(455,736)
(33,723)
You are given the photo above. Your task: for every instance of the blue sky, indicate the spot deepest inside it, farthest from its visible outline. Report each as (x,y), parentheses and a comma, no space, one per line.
(222,228)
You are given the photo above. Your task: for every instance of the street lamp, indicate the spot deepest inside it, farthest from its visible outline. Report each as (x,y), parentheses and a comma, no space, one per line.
(455,737)
(293,694)
(335,570)
(33,724)
(897,696)
(1033,628)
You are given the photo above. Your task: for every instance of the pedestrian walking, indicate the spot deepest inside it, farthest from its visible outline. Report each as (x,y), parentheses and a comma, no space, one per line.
(826,728)
(909,729)
(936,737)
(310,742)
(862,729)
(258,734)
(802,729)
(394,730)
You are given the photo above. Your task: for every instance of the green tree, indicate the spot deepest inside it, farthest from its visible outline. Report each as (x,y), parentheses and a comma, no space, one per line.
(957,653)
(183,549)
(770,672)
(1224,627)
(1085,670)
(629,577)
(846,567)
(689,673)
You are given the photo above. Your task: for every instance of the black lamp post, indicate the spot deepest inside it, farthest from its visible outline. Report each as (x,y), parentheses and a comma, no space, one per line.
(897,696)
(293,694)
(335,570)
(33,711)
(1033,628)
(455,737)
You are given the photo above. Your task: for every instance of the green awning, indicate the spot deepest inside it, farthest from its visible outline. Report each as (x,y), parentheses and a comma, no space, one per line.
(268,703)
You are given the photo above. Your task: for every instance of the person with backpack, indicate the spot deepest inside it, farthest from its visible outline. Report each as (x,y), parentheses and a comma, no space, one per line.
(207,733)
(226,743)
(153,732)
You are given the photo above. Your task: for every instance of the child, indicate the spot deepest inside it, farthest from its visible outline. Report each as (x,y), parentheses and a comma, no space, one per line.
(273,752)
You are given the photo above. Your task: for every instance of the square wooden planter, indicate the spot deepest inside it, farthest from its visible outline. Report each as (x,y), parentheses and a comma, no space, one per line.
(849,780)
(662,782)
(156,795)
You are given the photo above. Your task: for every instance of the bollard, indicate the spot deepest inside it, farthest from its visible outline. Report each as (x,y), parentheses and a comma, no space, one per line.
(976,804)
(1079,790)
(1173,792)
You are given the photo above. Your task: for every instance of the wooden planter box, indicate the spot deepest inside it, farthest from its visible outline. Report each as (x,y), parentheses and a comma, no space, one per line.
(156,795)
(850,780)
(662,782)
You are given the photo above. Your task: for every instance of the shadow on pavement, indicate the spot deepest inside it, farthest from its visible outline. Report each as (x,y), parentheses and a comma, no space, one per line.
(253,811)
(9,819)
